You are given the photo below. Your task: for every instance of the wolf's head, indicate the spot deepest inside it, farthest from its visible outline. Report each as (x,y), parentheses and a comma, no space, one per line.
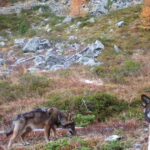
(66,120)
(146,104)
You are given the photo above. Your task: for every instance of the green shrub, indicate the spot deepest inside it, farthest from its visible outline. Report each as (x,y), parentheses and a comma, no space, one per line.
(28,86)
(84,120)
(115,146)
(131,67)
(23,27)
(33,85)
(63,144)
(64,101)
(8,92)
(117,73)
(57,145)
(102,105)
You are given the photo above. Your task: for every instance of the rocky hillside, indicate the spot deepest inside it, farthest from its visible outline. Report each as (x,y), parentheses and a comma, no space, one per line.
(96,66)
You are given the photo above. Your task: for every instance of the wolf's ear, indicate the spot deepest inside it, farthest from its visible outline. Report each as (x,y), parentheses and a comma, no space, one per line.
(145,99)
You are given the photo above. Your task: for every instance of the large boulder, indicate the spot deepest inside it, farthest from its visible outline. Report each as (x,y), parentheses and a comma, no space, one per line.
(36,44)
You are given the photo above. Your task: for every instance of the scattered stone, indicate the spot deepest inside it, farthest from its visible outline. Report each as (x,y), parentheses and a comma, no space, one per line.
(56,67)
(20,42)
(68,20)
(76,46)
(138,147)
(2,62)
(95,48)
(88,61)
(120,24)
(39,61)
(43,1)
(78,24)
(33,70)
(97,45)
(24,61)
(91,20)
(2,39)
(36,44)
(117,49)
(47,28)
(2,44)
(72,38)
(113,138)
(53,59)
(146,130)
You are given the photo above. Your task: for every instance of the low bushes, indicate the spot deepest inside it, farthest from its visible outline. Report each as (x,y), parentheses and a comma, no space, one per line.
(68,144)
(27,86)
(102,105)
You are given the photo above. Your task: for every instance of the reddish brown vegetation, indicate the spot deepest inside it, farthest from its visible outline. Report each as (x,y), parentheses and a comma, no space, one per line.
(145,16)
(78,8)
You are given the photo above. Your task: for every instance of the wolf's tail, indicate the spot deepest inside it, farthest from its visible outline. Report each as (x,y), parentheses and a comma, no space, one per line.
(8,133)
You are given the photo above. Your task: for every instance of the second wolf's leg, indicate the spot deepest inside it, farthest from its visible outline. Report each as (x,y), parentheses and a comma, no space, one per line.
(28,130)
(47,132)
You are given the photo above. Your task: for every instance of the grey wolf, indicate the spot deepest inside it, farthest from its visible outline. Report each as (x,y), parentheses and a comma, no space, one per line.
(146,104)
(39,118)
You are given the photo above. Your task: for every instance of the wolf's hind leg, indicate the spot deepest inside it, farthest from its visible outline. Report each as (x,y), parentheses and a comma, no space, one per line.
(27,130)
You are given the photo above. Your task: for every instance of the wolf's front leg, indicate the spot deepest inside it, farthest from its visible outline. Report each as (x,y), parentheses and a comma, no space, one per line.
(47,133)
(15,134)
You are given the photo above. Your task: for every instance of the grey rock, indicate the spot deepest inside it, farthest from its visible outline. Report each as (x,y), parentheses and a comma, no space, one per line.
(117,49)
(2,44)
(95,49)
(33,70)
(78,24)
(53,59)
(55,67)
(2,39)
(120,24)
(138,147)
(113,138)
(97,45)
(39,61)
(36,44)
(24,61)
(2,62)
(43,1)
(98,7)
(91,20)
(72,38)
(76,46)
(47,28)
(68,20)
(20,42)
(88,61)
(146,130)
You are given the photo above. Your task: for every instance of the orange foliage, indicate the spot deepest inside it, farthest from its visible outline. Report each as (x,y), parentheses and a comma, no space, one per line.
(79,8)
(145,15)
